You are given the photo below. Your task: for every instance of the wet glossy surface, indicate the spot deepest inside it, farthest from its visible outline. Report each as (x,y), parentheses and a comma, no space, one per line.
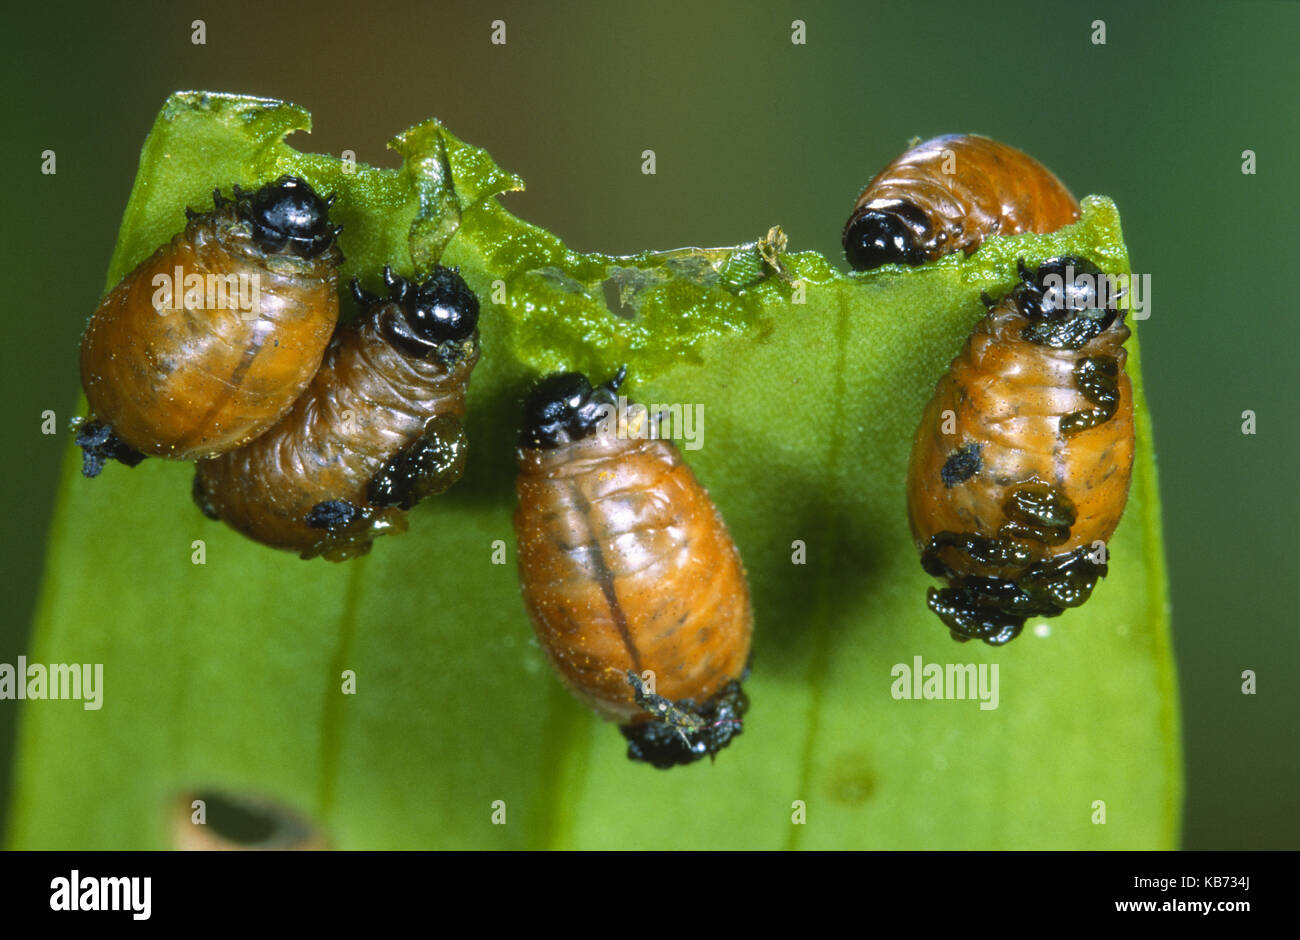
(626,565)
(992,189)
(194,382)
(368,402)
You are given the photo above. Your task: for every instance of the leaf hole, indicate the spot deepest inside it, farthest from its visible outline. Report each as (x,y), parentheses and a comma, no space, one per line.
(215,820)
(614,301)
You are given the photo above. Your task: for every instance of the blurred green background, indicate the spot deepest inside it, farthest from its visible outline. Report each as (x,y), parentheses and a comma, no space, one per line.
(750,130)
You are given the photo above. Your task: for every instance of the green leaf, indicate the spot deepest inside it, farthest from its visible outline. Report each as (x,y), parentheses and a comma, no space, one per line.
(227,675)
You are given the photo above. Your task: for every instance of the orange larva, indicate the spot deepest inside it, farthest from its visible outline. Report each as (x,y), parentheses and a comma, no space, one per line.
(949,194)
(1020,469)
(378,429)
(209,341)
(628,571)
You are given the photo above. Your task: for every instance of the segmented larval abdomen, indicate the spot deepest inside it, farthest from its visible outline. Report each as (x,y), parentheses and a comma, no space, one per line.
(197,374)
(626,565)
(953,192)
(367,403)
(993,429)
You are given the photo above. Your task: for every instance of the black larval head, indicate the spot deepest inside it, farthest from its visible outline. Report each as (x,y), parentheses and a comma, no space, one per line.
(287,215)
(886,235)
(565,406)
